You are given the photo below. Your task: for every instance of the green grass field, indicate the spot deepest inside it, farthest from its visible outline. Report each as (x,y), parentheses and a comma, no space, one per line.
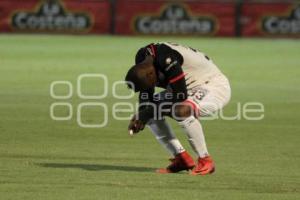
(45,159)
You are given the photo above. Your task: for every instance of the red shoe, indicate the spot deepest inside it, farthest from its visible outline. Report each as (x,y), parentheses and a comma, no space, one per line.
(205,166)
(182,161)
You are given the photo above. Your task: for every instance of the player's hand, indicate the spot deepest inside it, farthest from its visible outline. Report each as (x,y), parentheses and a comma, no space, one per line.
(135,125)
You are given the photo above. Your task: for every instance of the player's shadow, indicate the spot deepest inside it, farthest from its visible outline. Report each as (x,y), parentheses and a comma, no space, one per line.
(97,167)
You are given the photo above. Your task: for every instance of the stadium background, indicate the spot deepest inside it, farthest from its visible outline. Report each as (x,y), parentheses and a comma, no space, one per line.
(131,17)
(255,43)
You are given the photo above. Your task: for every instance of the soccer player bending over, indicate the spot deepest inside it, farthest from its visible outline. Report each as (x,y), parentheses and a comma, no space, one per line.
(194,87)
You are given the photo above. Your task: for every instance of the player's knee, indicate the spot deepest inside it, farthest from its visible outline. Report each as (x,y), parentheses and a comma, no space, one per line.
(182,112)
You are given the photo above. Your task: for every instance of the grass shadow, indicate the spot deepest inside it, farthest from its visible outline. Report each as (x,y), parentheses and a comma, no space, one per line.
(97,167)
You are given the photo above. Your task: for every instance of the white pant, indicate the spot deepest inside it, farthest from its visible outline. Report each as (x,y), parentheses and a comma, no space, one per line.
(210,96)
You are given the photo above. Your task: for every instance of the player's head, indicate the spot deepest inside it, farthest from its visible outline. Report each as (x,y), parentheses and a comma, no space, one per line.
(142,76)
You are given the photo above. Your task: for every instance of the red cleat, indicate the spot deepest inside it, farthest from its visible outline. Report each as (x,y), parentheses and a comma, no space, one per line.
(205,166)
(182,161)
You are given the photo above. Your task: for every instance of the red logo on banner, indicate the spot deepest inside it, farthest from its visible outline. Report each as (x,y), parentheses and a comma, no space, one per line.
(278,25)
(175,19)
(51,16)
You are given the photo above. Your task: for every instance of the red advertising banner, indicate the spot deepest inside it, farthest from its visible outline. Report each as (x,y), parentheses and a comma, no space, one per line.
(274,20)
(55,16)
(180,18)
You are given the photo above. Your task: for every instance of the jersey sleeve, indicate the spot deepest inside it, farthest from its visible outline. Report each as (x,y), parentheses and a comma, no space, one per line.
(145,99)
(146,96)
(145,110)
(170,63)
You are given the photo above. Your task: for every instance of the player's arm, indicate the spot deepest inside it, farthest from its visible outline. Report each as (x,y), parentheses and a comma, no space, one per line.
(145,111)
(171,62)
(146,105)
(145,97)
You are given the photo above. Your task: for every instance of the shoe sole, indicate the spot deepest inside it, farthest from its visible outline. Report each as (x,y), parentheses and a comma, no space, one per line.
(203,173)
